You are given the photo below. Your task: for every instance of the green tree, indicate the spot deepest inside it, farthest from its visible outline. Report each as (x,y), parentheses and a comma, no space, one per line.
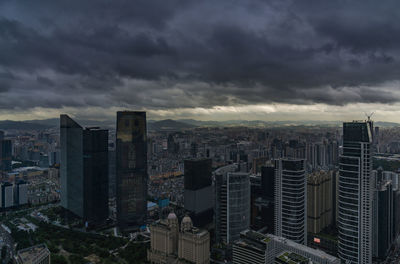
(3,252)
(76,259)
(58,259)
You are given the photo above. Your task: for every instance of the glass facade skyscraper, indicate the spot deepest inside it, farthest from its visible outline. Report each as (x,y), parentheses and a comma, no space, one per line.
(95,164)
(84,170)
(355,194)
(232,208)
(131,169)
(71,171)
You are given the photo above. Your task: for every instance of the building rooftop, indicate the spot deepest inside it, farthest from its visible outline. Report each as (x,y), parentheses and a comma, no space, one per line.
(28,255)
(6,184)
(303,248)
(291,258)
(197,231)
(252,240)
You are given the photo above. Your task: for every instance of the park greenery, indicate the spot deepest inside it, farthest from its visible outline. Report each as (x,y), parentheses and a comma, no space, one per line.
(69,246)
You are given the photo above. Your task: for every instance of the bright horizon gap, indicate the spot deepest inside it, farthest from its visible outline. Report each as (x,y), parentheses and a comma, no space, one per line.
(262,112)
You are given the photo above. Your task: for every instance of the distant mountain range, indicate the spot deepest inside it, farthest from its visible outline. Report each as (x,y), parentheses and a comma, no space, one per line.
(22,125)
(168,125)
(174,125)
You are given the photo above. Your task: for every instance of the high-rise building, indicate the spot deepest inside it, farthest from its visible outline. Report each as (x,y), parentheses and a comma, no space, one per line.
(291,200)
(131,169)
(7,195)
(198,194)
(319,201)
(71,171)
(382,219)
(84,170)
(95,165)
(21,193)
(232,208)
(111,173)
(5,153)
(355,194)
(262,199)
(54,158)
(396,213)
(268,189)
(255,197)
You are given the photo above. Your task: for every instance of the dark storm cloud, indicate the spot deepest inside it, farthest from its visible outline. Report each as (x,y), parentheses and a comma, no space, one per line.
(184,53)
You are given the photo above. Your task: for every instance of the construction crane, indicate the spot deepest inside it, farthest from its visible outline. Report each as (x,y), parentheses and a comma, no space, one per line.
(369,116)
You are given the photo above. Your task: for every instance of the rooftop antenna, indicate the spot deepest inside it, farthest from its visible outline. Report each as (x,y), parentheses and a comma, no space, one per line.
(369,116)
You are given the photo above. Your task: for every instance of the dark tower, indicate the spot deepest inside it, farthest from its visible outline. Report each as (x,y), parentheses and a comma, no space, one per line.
(84,170)
(198,190)
(95,163)
(5,153)
(131,166)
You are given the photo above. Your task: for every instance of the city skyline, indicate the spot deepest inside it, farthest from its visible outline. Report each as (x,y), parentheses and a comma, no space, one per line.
(203,132)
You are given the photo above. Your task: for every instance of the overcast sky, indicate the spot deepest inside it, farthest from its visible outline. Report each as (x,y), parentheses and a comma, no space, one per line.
(224,59)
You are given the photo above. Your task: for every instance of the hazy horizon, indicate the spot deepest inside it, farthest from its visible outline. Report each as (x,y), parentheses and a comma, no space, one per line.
(266,60)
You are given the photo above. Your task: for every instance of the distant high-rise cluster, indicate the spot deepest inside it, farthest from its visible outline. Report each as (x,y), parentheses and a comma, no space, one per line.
(85,170)
(265,199)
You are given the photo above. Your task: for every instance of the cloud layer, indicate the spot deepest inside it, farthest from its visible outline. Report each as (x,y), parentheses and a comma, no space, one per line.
(162,55)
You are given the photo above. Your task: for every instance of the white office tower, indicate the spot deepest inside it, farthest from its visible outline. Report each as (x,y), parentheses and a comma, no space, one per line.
(291,200)
(20,193)
(355,194)
(7,195)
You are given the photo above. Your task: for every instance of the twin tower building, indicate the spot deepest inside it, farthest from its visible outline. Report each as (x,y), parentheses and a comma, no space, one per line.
(85,170)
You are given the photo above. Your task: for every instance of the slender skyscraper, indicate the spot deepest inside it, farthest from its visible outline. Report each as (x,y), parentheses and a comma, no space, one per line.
(95,165)
(131,156)
(71,171)
(232,203)
(291,200)
(84,170)
(355,194)
(5,153)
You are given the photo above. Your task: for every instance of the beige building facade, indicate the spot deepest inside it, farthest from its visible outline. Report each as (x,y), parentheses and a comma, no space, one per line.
(171,245)
(319,201)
